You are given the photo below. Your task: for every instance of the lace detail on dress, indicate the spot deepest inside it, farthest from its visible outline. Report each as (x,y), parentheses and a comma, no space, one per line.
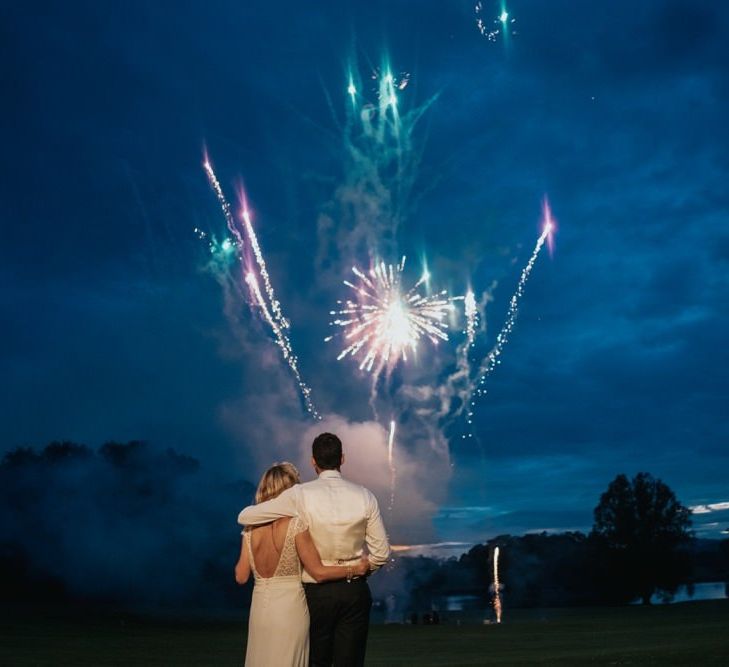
(247,539)
(289,563)
(299,525)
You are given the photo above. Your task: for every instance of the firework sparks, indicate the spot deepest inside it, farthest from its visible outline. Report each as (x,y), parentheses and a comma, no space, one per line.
(385,322)
(283,342)
(274,316)
(270,307)
(492,358)
(503,24)
(391,463)
(252,283)
(497,586)
(221,251)
(471,313)
(224,204)
(388,83)
(275,305)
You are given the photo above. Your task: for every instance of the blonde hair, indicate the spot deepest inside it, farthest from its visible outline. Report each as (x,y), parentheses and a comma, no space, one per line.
(278,478)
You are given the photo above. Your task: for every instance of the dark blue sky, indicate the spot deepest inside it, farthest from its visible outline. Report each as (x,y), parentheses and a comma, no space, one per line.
(113,330)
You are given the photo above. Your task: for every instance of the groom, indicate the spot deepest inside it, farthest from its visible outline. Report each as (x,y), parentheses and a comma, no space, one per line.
(342,517)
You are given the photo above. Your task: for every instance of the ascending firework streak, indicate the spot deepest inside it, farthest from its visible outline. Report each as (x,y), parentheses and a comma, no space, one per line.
(275,305)
(391,463)
(471,312)
(270,309)
(229,221)
(492,358)
(283,342)
(387,322)
(497,586)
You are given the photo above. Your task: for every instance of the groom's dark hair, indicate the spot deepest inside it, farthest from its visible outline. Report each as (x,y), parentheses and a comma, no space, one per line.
(327,451)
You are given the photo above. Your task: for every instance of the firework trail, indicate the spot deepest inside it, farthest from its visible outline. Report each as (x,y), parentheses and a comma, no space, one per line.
(224,205)
(492,358)
(275,305)
(471,312)
(271,308)
(283,342)
(385,322)
(274,316)
(391,463)
(497,586)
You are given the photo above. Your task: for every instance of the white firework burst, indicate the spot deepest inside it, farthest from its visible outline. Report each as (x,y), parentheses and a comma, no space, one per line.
(383,323)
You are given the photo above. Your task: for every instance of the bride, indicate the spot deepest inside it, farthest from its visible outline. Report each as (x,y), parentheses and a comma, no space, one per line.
(278,627)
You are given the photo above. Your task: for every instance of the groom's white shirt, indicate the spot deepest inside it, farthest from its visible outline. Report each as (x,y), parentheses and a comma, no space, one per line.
(342,518)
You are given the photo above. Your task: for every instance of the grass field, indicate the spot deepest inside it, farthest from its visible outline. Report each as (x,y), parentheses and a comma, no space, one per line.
(686,634)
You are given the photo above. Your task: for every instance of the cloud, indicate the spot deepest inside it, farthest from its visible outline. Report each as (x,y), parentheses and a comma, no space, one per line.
(710,507)
(132,523)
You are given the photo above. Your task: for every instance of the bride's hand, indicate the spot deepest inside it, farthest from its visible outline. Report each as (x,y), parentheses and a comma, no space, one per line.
(362,567)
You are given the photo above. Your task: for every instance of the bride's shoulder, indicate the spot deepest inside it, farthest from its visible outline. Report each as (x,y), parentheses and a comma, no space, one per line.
(298,524)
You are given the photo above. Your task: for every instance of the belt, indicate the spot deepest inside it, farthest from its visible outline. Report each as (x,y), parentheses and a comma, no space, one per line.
(354,580)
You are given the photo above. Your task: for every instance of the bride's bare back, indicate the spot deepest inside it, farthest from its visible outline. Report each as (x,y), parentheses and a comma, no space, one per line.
(267,543)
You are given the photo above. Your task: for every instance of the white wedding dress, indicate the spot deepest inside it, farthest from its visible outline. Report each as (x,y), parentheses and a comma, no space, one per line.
(278,628)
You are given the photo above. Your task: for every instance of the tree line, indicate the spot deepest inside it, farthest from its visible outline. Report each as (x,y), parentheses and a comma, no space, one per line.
(641,545)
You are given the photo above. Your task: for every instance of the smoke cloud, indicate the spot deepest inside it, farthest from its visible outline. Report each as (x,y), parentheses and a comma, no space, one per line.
(420,478)
(131,524)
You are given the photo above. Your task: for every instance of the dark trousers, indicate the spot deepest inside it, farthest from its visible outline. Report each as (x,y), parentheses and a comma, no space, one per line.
(340,617)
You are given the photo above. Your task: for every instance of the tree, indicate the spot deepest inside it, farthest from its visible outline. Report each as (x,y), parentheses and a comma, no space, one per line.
(644,530)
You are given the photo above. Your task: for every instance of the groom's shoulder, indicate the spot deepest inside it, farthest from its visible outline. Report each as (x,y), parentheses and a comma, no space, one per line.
(358,488)
(354,485)
(318,483)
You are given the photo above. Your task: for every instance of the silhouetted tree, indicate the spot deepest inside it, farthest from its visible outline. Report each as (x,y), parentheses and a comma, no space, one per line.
(644,531)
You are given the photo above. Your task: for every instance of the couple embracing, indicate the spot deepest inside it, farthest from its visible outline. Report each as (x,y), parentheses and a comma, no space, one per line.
(305,545)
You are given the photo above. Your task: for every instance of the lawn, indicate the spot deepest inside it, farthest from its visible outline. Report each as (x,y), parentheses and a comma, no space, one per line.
(694,633)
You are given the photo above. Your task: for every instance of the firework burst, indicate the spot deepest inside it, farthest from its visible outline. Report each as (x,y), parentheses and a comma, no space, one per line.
(382,323)
(503,24)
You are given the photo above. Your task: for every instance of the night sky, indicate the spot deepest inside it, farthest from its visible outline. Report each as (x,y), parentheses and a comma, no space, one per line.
(112,328)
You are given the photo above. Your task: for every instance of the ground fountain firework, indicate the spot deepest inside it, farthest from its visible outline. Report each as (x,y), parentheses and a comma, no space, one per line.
(497,587)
